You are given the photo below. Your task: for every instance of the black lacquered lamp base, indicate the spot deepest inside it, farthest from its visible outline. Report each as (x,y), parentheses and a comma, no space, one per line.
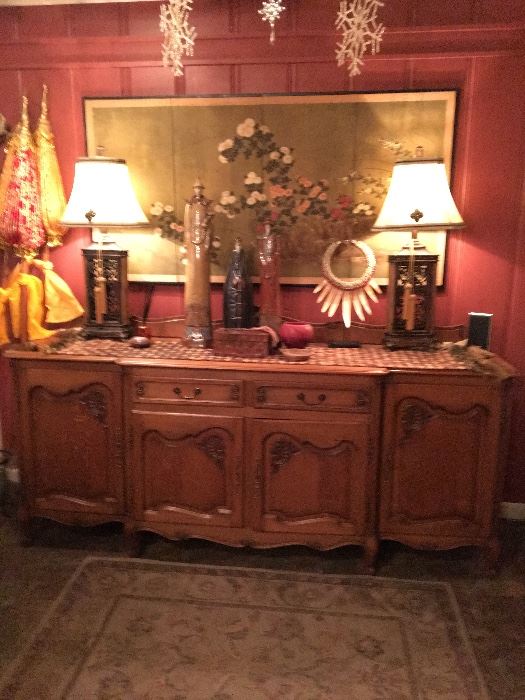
(121,332)
(114,322)
(423,281)
(409,340)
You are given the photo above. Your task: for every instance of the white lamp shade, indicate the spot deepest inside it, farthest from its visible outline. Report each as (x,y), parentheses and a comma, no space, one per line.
(103,186)
(418,186)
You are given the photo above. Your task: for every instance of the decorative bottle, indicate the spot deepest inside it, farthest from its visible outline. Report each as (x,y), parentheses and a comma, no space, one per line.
(237,298)
(197,215)
(269,258)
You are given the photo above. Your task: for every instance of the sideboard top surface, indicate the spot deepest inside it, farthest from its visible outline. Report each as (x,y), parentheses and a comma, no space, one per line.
(371,360)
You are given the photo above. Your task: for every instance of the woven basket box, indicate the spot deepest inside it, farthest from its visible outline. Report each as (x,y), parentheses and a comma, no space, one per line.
(241,342)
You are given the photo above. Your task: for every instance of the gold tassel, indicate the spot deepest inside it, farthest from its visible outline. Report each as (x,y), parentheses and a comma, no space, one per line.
(409,298)
(409,308)
(99,292)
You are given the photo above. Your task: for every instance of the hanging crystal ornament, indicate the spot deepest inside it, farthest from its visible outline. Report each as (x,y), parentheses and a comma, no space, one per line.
(271,12)
(360,30)
(179,37)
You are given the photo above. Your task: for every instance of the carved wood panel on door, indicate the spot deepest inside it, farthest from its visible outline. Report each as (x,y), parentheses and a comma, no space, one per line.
(439,479)
(311,477)
(72,449)
(186,468)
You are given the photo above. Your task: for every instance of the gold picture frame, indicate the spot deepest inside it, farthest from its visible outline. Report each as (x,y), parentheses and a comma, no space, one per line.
(319,163)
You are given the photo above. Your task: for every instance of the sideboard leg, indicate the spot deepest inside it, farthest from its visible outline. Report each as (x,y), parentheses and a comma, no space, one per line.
(370,549)
(27,532)
(133,542)
(490,556)
(26,526)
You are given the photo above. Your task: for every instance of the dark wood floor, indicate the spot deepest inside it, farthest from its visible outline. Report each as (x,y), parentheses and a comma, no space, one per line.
(493,608)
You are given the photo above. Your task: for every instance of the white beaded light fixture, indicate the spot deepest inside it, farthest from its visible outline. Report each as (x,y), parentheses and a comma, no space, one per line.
(179,37)
(360,31)
(271,12)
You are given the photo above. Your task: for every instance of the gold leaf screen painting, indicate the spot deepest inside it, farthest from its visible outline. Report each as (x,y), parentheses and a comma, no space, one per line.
(316,166)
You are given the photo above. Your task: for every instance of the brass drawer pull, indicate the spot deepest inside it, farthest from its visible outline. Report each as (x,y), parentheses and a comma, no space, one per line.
(320,399)
(196,392)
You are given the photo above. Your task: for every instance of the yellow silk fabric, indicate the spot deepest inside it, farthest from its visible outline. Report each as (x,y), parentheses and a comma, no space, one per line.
(10,296)
(62,305)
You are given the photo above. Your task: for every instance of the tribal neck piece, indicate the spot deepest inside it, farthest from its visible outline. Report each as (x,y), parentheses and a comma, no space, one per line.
(349,294)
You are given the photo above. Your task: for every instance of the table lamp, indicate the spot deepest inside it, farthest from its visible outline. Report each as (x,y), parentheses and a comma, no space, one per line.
(103,198)
(418,199)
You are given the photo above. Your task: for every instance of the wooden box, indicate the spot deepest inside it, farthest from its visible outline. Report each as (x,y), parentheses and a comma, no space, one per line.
(241,342)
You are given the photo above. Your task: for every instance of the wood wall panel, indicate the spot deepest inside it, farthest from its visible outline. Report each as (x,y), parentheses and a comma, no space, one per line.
(263,78)
(212,18)
(9,24)
(496,116)
(151,81)
(506,11)
(112,50)
(307,77)
(11,98)
(106,21)
(379,74)
(445,12)
(312,16)
(397,13)
(43,22)
(451,73)
(208,80)
(143,18)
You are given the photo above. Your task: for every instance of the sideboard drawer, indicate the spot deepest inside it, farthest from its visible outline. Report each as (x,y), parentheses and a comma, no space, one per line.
(187,391)
(310,397)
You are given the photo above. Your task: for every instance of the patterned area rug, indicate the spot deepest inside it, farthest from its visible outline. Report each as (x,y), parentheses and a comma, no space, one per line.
(139,629)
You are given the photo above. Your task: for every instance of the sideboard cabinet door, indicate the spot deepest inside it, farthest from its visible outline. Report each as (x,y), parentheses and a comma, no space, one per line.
(439,480)
(70,442)
(186,469)
(311,477)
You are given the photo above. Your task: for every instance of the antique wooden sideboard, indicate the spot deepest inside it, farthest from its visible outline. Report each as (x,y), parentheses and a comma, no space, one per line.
(350,447)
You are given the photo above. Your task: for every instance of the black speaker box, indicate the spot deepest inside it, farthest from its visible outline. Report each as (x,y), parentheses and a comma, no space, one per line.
(479,327)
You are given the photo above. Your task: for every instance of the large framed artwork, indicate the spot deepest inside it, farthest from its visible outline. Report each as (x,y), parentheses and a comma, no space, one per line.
(316,166)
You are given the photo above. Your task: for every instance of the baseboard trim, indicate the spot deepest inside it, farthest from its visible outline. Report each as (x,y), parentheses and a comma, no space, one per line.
(512,511)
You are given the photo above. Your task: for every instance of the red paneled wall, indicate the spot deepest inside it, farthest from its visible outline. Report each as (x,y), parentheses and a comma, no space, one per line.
(475,46)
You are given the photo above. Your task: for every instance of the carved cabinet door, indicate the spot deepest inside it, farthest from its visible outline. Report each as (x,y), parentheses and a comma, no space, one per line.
(439,466)
(314,477)
(72,445)
(186,468)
